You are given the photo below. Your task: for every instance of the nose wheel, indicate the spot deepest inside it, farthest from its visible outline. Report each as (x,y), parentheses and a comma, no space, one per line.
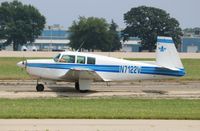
(40,87)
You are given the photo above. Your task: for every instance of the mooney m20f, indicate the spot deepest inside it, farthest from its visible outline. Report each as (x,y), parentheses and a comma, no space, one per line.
(84,68)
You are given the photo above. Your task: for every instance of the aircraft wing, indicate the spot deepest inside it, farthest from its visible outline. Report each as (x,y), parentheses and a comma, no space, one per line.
(82,73)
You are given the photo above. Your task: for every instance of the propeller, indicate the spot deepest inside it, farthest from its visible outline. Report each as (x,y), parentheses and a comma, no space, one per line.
(22,64)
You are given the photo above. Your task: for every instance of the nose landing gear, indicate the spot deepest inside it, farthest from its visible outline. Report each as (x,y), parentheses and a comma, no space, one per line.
(40,87)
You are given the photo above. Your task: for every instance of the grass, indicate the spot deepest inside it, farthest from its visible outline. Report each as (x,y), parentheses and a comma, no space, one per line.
(192,67)
(107,108)
(9,70)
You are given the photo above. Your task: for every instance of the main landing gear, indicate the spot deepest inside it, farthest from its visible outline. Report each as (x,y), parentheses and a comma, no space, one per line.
(77,87)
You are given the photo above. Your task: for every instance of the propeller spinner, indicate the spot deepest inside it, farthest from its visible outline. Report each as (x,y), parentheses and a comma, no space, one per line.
(22,64)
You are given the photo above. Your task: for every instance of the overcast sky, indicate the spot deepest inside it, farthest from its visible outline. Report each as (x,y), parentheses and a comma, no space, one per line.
(63,12)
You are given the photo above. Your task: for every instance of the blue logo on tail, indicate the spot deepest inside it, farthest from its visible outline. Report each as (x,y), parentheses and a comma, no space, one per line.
(162,49)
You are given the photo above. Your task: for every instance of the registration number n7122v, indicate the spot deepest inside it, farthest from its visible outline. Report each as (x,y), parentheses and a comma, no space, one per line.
(130,69)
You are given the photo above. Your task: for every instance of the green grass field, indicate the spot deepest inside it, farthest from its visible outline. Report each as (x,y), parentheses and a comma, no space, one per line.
(9,70)
(100,108)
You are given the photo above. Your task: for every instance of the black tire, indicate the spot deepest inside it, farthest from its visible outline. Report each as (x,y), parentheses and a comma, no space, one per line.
(77,87)
(40,87)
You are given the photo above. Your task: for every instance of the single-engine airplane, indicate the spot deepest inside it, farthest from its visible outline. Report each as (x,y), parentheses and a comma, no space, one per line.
(84,68)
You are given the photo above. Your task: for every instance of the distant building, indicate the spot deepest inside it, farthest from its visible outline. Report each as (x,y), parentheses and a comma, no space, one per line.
(190,44)
(53,38)
(131,45)
(191,40)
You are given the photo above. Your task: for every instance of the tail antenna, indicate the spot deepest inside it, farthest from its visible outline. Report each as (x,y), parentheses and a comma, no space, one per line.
(80,46)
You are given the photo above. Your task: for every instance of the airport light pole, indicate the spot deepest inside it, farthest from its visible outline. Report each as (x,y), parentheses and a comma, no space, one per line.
(50,46)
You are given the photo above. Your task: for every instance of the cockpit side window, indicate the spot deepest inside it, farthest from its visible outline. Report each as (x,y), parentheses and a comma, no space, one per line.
(67,59)
(56,58)
(80,60)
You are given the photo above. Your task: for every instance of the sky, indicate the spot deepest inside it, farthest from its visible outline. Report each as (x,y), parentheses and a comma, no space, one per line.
(64,12)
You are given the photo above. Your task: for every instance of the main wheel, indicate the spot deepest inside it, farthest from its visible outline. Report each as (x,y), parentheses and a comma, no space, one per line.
(40,87)
(77,86)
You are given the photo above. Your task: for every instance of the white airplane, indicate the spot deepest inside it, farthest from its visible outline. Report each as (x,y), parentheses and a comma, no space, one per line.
(85,68)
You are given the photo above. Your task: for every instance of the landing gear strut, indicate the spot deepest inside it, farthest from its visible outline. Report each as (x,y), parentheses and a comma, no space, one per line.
(77,87)
(40,87)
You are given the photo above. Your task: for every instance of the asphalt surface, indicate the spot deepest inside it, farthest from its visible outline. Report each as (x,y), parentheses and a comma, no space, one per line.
(143,89)
(98,125)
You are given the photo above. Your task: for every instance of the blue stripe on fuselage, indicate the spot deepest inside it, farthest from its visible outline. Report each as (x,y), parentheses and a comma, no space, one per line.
(162,71)
(103,68)
(110,68)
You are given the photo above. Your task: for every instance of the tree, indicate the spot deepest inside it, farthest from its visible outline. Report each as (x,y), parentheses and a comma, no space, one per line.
(19,23)
(147,23)
(115,40)
(92,33)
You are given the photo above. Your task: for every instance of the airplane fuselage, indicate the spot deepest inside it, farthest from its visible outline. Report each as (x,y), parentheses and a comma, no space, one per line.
(85,68)
(110,69)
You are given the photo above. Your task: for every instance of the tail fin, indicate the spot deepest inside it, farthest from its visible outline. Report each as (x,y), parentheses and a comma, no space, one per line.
(167,55)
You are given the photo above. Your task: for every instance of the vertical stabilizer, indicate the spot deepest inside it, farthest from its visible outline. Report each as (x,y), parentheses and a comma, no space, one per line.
(166,54)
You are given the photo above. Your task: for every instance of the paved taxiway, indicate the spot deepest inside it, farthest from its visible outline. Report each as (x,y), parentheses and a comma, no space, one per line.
(146,89)
(98,125)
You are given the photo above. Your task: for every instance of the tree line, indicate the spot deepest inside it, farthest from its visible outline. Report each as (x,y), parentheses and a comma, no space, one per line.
(21,24)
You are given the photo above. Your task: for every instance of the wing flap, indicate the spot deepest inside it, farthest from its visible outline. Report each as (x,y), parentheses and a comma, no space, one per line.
(75,74)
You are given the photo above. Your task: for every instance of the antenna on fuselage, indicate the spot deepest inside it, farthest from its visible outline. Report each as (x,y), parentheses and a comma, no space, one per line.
(80,46)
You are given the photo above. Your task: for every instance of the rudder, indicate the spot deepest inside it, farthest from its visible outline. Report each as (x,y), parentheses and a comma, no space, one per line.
(166,54)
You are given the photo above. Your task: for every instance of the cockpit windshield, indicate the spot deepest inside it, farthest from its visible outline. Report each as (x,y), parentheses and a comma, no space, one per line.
(64,58)
(56,58)
(67,59)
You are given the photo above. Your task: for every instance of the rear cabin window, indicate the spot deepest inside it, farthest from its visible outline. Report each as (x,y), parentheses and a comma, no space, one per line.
(80,60)
(67,59)
(91,60)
